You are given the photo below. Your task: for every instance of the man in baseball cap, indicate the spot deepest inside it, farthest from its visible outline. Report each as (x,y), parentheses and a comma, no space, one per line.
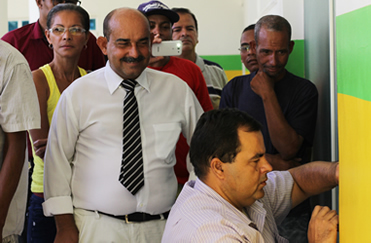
(161,19)
(157,7)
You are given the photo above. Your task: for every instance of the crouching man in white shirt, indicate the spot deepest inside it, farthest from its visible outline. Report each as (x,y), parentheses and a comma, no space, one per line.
(236,197)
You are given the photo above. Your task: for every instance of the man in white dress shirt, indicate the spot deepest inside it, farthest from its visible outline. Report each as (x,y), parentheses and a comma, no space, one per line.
(85,144)
(236,197)
(19,111)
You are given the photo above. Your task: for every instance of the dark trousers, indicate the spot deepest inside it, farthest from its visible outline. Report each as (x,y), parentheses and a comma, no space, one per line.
(40,229)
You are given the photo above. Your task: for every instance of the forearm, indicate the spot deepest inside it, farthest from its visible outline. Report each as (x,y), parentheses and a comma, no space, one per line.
(284,138)
(66,228)
(278,163)
(14,159)
(313,178)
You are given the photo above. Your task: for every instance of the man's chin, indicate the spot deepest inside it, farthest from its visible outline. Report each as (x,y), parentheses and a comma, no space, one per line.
(273,74)
(259,194)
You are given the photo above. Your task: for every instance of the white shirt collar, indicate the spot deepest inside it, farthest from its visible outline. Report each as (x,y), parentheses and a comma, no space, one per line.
(114,80)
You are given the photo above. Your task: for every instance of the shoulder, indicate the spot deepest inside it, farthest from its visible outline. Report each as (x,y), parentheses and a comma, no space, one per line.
(210,63)
(92,37)
(10,55)
(184,63)
(197,206)
(279,183)
(39,76)
(170,79)
(214,71)
(93,80)
(18,34)
(243,78)
(239,81)
(301,82)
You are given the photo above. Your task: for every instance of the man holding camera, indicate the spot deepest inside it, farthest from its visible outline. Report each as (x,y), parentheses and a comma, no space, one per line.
(161,19)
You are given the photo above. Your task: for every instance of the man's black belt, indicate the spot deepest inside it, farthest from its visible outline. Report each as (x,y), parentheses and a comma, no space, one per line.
(138,217)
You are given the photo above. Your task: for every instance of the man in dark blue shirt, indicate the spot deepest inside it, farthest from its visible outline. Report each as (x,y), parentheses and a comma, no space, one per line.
(285,105)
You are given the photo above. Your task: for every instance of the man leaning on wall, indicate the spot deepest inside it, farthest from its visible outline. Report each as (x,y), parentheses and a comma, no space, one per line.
(285,104)
(236,196)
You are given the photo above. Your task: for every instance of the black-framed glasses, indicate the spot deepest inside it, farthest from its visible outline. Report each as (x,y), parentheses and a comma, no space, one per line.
(78,3)
(59,30)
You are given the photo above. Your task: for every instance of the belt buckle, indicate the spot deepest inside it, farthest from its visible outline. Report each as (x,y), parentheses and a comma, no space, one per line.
(127,220)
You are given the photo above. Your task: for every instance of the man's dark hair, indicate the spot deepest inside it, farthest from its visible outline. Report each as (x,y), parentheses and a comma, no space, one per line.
(216,136)
(272,22)
(186,11)
(250,27)
(84,16)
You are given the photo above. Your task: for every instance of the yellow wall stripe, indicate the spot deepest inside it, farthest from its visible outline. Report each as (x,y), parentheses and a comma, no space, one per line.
(354,117)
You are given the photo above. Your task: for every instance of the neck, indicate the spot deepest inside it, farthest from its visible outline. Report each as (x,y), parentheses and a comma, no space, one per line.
(219,186)
(190,55)
(65,69)
(280,76)
(42,24)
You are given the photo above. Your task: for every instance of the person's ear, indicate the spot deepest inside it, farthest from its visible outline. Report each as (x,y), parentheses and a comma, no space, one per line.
(102,43)
(47,34)
(216,167)
(39,3)
(87,38)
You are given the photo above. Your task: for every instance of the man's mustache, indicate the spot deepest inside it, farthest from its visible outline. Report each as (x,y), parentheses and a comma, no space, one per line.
(132,59)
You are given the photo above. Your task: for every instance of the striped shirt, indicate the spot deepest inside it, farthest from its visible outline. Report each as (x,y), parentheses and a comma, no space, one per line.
(201,215)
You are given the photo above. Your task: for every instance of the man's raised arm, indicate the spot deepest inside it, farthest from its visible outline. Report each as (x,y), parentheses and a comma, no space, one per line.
(312,179)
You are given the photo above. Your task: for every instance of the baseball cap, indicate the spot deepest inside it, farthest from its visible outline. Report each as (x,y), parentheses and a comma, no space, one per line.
(157,7)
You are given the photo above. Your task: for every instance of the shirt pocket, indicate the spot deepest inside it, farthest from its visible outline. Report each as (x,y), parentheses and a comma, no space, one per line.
(166,137)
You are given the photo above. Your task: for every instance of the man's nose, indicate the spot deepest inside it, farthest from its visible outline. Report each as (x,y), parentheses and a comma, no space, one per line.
(156,30)
(134,52)
(273,60)
(265,166)
(184,32)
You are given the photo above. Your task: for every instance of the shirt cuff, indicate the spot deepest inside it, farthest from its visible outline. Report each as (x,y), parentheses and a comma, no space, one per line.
(58,205)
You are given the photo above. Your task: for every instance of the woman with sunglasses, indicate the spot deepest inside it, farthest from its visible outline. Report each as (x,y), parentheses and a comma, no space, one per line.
(67,33)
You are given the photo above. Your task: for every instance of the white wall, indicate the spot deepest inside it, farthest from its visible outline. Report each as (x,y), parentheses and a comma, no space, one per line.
(220,22)
(292,10)
(343,7)
(3,17)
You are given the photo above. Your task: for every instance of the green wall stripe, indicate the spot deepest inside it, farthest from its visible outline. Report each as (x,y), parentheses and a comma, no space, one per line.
(353,47)
(233,62)
(228,62)
(296,59)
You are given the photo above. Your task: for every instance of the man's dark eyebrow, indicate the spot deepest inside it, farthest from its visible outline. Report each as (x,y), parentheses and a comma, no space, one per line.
(128,40)
(257,156)
(144,39)
(122,40)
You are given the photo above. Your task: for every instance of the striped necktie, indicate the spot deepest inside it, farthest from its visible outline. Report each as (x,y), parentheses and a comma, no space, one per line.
(131,173)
